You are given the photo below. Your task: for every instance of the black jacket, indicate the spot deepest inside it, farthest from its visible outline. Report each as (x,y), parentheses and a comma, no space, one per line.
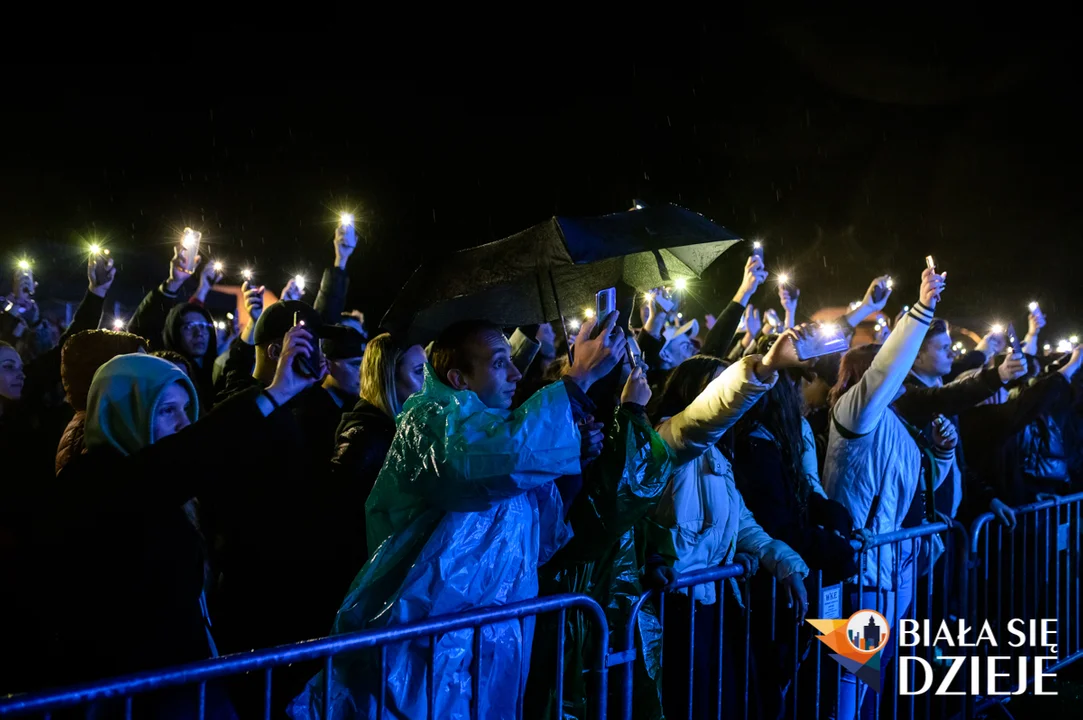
(126,563)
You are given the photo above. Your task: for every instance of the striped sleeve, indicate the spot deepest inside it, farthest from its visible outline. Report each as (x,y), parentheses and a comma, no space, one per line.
(921,313)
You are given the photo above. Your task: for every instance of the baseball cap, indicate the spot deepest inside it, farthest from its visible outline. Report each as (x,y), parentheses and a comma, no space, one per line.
(277,319)
(341,342)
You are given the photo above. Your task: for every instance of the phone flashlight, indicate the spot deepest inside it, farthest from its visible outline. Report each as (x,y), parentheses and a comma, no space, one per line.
(783,279)
(1033,306)
(681,283)
(345,219)
(588,313)
(95,249)
(219,267)
(930,263)
(118,324)
(997,328)
(890,283)
(24,265)
(246,274)
(188,240)
(299,282)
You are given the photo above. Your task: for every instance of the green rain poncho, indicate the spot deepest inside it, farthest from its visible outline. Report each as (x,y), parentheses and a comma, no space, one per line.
(604,560)
(461,516)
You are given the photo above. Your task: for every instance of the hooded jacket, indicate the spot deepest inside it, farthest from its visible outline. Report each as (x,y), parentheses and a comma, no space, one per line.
(202,367)
(125,549)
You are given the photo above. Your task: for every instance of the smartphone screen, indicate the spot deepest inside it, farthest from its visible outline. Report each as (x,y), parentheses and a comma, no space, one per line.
(310,366)
(757,249)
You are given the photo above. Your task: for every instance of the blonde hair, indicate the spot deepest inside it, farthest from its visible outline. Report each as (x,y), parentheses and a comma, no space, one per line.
(382,357)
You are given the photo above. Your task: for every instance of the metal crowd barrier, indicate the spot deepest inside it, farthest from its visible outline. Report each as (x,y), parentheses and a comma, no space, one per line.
(200,673)
(947,580)
(1033,573)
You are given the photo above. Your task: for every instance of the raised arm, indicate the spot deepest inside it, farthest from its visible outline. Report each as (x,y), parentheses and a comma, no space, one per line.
(861,407)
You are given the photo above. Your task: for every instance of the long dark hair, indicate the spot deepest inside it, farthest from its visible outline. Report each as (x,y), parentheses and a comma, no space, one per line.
(779,412)
(685,382)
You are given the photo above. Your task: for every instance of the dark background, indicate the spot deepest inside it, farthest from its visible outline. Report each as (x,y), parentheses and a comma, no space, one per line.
(855,145)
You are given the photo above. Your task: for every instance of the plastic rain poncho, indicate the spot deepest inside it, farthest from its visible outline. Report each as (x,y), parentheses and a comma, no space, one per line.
(620,490)
(461,515)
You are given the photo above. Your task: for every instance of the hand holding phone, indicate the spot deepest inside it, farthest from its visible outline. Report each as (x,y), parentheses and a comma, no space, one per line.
(821,339)
(310,366)
(757,249)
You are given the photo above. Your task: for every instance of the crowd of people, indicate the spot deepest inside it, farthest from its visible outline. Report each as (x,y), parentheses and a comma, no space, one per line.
(178,490)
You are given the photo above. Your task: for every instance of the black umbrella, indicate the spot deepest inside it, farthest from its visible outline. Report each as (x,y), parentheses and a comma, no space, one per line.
(534,275)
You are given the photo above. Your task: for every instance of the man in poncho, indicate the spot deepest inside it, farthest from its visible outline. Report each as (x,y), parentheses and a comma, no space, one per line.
(464,510)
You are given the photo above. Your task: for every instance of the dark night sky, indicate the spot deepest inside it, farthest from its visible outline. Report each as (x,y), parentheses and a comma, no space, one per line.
(865,143)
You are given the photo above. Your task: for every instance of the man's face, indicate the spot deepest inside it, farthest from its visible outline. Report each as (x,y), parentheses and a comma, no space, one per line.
(677,351)
(935,357)
(492,375)
(347,375)
(195,335)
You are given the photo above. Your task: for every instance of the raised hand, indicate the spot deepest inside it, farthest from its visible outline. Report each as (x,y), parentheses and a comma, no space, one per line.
(101,273)
(1013,368)
(754,276)
(345,244)
(288,381)
(595,357)
(636,389)
(945,435)
(253,300)
(932,284)
(879,286)
(291,291)
(181,267)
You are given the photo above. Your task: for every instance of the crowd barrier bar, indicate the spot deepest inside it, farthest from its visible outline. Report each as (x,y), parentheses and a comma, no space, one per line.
(201,672)
(1049,534)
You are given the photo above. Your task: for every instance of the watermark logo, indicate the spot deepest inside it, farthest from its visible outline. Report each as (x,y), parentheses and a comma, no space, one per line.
(857,642)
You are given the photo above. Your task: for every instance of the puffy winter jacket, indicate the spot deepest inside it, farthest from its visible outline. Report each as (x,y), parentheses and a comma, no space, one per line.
(704,518)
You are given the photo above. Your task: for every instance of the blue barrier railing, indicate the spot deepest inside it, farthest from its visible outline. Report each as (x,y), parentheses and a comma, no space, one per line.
(1044,568)
(199,673)
(1033,572)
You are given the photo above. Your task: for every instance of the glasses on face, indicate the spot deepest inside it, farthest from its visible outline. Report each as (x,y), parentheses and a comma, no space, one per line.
(196,328)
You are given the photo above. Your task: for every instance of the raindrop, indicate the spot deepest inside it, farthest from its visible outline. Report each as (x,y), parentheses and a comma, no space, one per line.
(668,121)
(646,176)
(778,195)
(434,215)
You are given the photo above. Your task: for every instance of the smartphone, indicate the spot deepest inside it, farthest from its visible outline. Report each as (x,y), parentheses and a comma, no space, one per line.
(826,339)
(879,293)
(632,351)
(757,249)
(26,281)
(930,263)
(307,366)
(1017,347)
(665,301)
(102,265)
(605,302)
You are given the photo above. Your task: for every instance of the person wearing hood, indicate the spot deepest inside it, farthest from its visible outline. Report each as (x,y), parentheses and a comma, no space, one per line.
(462,517)
(189,331)
(124,545)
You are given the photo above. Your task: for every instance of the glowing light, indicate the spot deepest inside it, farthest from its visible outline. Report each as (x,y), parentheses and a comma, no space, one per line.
(345,219)
(756,245)
(829,329)
(118,324)
(1064,346)
(1074,339)
(649,297)
(680,316)
(638,206)
(246,274)
(573,324)
(1047,347)
(588,313)
(962,351)
(783,278)
(997,328)
(229,316)
(95,249)
(24,265)
(855,304)
(189,239)
(680,284)
(220,325)
(906,308)
(299,282)
(890,283)
(1032,306)
(219,267)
